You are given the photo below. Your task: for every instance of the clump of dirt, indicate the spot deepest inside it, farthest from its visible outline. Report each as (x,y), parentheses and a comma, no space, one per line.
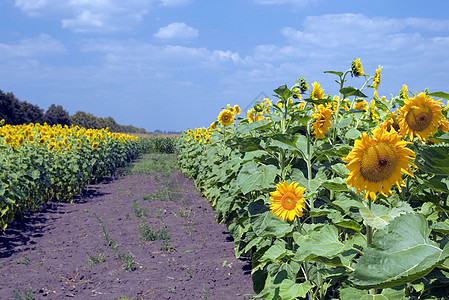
(139,236)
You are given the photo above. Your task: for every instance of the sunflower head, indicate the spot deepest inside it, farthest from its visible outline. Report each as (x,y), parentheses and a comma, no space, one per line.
(376,163)
(356,68)
(317,92)
(237,109)
(360,104)
(323,117)
(373,112)
(404,92)
(213,126)
(376,81)
(391,123)
(251,115)
(226,117)
(420,117)
(287,201)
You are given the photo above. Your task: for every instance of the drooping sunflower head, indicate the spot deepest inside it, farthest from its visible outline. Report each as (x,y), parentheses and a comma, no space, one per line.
(226,117)
(317,92)
(420,117)
(356,68)
(376,163)
(287,201)
(376,81)
(323,117)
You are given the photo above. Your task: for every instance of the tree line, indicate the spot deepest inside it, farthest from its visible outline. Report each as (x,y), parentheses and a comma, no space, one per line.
(16,112)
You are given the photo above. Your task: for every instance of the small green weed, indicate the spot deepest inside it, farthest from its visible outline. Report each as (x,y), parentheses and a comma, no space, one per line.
(25,295)
(24,261)
(139,211)
(128,262)
(94,260)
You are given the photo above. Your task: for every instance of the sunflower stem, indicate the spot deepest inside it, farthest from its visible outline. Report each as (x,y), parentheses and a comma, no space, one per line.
(309,167)
(369,229)
(337,109)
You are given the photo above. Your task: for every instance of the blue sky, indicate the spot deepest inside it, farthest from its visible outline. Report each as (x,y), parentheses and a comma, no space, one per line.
(173,64)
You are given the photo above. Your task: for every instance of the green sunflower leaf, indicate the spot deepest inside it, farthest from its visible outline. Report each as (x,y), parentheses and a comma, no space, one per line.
(324,243)
(440,95)
(433,159)
(401,253)
(256,177)
(292,290)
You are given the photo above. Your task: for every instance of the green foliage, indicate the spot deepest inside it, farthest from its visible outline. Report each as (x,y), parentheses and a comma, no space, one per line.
(402,252)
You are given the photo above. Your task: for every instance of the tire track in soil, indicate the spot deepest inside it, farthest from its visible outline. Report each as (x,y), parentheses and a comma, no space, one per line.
(48,253)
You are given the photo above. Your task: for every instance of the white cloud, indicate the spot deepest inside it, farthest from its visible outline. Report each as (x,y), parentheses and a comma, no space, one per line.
(89,15)
(86,20)
(403,46)
(173,3)
(176,31)
(32,47)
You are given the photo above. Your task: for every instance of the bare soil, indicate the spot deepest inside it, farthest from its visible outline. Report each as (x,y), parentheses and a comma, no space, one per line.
(110,244)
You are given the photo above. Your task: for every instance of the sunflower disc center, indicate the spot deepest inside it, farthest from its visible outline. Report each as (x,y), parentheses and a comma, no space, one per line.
(419,118)
(378,162)
(288,201)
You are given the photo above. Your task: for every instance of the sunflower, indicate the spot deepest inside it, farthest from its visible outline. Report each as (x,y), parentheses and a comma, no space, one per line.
(317,92)
(323,121)
(95,145)
(376,80)
(390,123)
(404,91)
(226,117)
(287,201)
(376,163)
(237,109)
(374,114)
(213,126)
(251,115)
(356,68)
(420,116)
(360,104)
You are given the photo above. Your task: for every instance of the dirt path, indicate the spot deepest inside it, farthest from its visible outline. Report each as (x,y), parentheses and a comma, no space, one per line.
(139,236)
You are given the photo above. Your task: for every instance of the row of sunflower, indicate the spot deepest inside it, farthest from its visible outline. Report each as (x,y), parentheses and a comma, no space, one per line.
(332,197)
(41,163)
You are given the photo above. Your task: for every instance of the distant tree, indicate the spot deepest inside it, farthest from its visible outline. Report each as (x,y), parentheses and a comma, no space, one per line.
(29,113)
(9,107)
(56,114)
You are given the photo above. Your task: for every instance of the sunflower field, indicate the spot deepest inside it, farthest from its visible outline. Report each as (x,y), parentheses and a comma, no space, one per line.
(41,163)
(332,197)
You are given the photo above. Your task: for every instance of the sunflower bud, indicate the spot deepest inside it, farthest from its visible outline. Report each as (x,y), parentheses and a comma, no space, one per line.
(301,84)
(258,107)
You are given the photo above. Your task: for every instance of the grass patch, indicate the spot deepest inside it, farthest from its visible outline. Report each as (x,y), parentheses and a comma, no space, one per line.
(155,163)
